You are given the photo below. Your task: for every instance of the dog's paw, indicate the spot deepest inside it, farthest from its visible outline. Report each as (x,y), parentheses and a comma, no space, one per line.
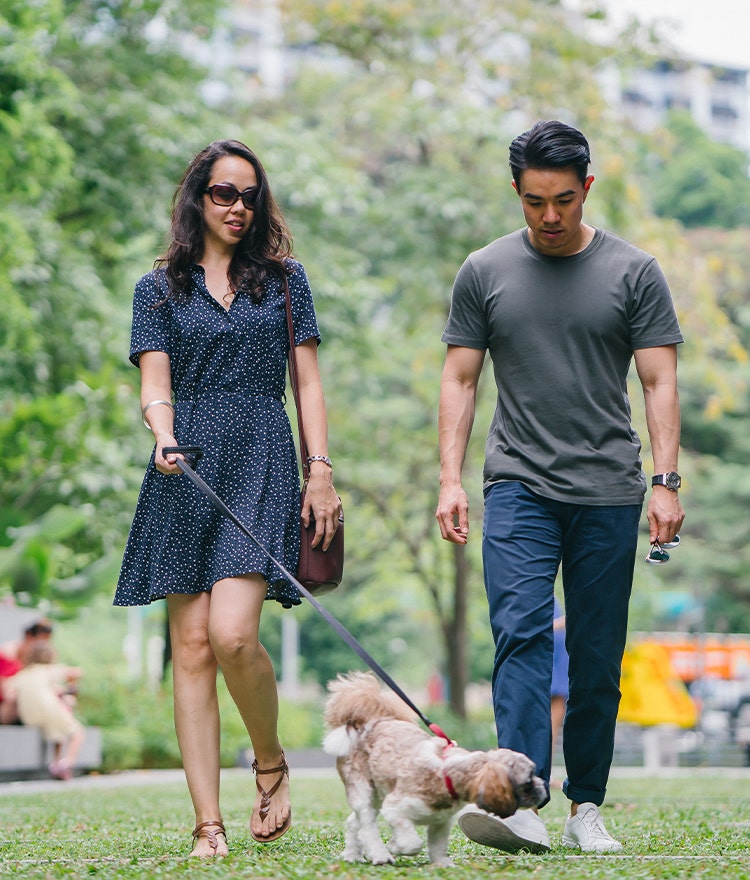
(406,846)
(383,859)
(353,855)
(443,862)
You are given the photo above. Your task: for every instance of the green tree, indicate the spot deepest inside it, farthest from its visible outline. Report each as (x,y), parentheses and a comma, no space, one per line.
(97,119)
(415,118)
(698,181)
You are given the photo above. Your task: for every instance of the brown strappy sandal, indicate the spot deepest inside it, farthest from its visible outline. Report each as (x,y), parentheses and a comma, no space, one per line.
(210,830)
(265,799)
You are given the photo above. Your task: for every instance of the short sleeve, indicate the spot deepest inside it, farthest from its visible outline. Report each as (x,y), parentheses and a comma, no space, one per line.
(150,328)
(653,321)
(303,309)
(467,319)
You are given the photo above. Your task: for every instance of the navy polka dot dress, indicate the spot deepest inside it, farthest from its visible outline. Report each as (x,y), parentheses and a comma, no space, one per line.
(228,380)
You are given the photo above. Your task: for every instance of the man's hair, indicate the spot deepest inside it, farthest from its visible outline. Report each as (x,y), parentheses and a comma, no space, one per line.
(550,144)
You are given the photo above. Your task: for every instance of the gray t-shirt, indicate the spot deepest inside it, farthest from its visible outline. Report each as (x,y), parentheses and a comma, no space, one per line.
(561,332)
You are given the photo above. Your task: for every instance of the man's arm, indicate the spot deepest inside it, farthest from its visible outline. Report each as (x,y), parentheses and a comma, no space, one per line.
(458,392)
(657,370)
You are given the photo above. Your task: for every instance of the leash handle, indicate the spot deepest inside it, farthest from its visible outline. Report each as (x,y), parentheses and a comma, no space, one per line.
(192,454)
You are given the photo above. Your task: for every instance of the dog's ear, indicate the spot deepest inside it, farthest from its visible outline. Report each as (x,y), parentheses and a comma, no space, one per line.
(494,790)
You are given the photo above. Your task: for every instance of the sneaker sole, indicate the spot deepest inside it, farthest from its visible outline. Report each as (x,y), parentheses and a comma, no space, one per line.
(488,831)
(614,847)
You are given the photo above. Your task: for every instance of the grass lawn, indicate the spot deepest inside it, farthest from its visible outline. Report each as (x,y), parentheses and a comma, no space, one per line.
(696,826)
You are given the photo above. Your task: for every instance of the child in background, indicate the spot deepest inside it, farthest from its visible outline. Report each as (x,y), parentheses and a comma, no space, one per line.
(39,689)
(559,691)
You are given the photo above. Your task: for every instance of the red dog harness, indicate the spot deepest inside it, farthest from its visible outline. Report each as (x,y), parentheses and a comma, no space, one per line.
(449,744)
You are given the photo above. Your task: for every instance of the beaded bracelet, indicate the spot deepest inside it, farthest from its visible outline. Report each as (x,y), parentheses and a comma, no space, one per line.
(148,406)
(324,458)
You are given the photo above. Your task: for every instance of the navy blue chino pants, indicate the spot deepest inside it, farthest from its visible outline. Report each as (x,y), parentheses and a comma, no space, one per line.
(526,538)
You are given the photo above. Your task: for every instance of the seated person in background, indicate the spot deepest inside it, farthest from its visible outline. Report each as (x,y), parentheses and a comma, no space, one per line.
(18,649)
(13,657)
(39,689)
(8,668)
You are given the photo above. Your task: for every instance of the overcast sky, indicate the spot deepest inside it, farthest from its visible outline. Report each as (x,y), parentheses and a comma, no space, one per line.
(717,31)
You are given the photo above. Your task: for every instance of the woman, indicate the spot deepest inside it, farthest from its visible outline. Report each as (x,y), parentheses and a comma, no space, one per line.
(209,329)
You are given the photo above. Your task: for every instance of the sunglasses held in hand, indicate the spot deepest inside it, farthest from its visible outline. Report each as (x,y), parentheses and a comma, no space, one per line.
(225,195)
(658,555)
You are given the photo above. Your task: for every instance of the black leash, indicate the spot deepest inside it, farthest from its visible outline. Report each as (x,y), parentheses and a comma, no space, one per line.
(192,455)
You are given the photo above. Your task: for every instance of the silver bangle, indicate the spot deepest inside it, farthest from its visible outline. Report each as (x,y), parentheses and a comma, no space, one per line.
(324,458)
(148,406)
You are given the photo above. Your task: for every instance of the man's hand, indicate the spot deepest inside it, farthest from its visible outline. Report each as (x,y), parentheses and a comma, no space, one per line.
(665,515)
(452,514)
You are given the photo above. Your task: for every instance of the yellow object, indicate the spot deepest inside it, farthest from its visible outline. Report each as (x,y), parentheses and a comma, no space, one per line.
(652,693)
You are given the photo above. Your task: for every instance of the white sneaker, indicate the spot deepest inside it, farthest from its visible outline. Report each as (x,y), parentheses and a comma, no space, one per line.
(586,831)
(523,830)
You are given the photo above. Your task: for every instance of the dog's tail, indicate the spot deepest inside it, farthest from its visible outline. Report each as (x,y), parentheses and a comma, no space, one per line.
(357,697)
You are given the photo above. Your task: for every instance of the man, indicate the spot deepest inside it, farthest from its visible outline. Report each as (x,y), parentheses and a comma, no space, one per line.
(563,308)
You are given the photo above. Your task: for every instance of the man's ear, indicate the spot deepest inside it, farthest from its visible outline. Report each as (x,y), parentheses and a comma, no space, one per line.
(588,182)
(515,187)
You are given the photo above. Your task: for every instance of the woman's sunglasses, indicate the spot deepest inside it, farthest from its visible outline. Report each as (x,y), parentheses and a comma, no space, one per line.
(225,195)
(658,555)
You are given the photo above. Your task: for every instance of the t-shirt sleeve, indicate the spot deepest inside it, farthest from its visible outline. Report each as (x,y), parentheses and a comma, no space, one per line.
(653,320)
(304,320)
(150,328)
(467,319)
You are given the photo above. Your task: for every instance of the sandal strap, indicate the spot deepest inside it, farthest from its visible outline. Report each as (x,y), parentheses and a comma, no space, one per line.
(205,829)
(265,796)
(282,768)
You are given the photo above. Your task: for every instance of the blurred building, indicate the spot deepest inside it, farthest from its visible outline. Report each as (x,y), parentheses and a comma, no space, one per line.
(247,48)
(251,44)
(717,98)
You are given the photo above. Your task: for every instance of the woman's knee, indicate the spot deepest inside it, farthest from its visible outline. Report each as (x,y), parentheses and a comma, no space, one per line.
(191,648)
(234,645)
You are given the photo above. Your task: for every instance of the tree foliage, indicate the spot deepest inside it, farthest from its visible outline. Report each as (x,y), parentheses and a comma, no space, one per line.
(389,155)
(96,120)
(699,182)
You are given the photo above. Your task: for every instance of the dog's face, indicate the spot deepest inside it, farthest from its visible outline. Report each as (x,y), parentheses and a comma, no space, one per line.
(506,782)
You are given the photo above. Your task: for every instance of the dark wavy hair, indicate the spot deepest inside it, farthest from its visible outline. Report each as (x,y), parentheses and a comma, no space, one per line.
(265,248)
(550,144)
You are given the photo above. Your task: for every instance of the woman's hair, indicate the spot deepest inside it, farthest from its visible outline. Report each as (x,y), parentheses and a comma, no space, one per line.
(41,627)
(550,144)
(265,247)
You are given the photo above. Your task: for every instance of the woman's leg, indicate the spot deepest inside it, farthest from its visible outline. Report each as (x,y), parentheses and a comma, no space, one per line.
(73,746)
(234,622)
(196,709)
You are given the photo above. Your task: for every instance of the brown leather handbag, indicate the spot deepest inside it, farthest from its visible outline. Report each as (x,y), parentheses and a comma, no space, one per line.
(320,571)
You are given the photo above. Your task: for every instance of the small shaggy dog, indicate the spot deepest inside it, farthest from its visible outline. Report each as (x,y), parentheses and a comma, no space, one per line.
(390,765)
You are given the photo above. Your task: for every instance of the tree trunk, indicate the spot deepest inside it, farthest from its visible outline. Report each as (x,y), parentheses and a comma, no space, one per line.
(456,633)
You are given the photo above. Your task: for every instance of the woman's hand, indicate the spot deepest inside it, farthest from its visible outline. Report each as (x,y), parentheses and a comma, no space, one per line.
(322,504)
(166,464)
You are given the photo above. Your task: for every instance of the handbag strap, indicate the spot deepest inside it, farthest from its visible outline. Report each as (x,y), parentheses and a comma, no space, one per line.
(294,381)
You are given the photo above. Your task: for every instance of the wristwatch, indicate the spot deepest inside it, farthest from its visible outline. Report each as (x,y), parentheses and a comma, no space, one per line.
(672,480)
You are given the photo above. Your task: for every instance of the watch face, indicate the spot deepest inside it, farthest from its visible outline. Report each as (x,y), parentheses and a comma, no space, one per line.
(673,481)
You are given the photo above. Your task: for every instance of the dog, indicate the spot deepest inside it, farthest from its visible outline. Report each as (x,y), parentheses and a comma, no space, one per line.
(392,767)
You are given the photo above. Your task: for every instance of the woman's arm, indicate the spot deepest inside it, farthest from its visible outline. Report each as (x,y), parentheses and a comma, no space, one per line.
(321,499)
(156,384)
